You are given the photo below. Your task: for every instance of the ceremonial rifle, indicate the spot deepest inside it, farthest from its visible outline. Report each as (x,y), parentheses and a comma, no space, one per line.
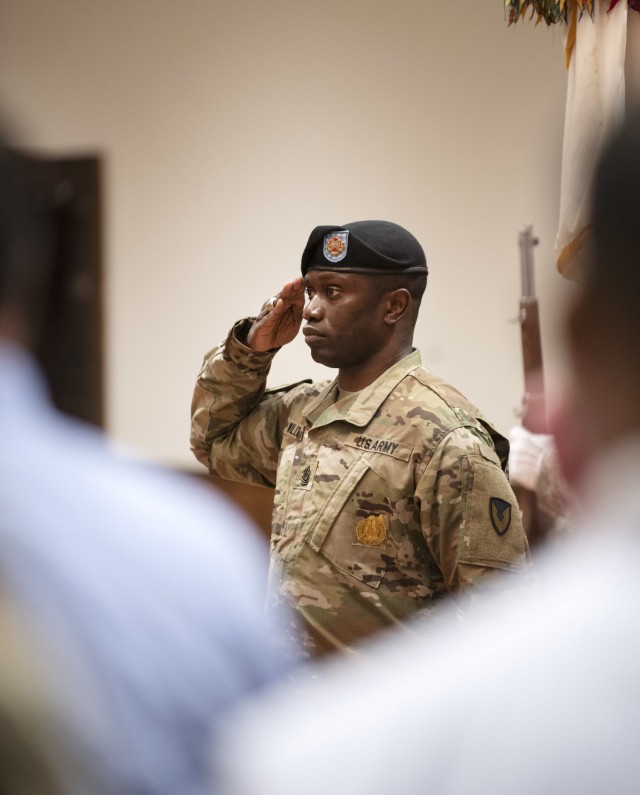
(533,406)
(533,414)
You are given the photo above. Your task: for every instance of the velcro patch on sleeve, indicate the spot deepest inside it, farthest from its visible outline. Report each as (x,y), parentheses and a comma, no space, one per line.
(492,533)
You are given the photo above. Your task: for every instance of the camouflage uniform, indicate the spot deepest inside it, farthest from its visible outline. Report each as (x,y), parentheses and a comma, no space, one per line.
(384,502)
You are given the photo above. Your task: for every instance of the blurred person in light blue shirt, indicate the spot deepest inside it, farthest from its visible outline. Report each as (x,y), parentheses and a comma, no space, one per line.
(143,589)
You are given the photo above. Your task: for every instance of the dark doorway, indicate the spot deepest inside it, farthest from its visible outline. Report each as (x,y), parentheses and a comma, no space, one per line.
(71,346)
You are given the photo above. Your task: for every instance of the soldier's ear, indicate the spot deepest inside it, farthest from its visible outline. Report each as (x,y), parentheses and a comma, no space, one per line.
(396,306)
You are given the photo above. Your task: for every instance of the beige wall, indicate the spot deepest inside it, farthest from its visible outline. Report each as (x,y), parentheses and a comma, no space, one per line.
(230,129)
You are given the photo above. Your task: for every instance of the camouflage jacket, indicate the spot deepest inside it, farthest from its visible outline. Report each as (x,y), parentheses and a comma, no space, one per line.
(384,502)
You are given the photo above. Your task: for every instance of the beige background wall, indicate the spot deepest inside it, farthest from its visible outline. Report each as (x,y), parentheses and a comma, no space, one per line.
(230,129)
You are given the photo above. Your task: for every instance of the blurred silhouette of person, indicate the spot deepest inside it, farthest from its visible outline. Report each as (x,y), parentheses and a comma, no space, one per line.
(541,695)
(143,588)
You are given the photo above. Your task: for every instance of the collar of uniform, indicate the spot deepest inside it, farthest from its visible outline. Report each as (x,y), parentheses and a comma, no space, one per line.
(322,410)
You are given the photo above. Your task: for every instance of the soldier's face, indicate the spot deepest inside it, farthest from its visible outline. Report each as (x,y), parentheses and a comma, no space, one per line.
(344,318)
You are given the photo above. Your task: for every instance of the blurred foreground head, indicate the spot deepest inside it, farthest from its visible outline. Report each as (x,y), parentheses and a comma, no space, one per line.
(604,323)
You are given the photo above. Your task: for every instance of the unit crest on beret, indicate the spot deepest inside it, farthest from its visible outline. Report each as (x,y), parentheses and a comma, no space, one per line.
(335,246)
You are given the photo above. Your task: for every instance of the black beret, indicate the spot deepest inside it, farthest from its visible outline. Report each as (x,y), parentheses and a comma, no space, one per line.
(363,247)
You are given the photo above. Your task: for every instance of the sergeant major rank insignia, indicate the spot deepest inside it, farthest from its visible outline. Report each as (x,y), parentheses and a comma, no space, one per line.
(304,474)
(500,512)
(335,246)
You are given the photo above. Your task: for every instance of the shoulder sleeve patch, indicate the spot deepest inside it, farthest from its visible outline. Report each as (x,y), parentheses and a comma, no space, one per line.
(492,533)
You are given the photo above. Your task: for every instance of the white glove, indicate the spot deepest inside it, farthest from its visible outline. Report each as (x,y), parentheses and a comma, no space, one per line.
(527,454)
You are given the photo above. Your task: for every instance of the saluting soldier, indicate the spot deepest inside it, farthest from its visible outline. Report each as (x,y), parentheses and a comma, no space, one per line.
(390,486)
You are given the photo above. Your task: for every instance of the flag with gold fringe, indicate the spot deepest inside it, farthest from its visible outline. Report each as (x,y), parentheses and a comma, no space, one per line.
(595,48)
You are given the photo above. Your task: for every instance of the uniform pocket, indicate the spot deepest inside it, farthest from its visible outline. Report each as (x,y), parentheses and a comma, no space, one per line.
(357,528)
